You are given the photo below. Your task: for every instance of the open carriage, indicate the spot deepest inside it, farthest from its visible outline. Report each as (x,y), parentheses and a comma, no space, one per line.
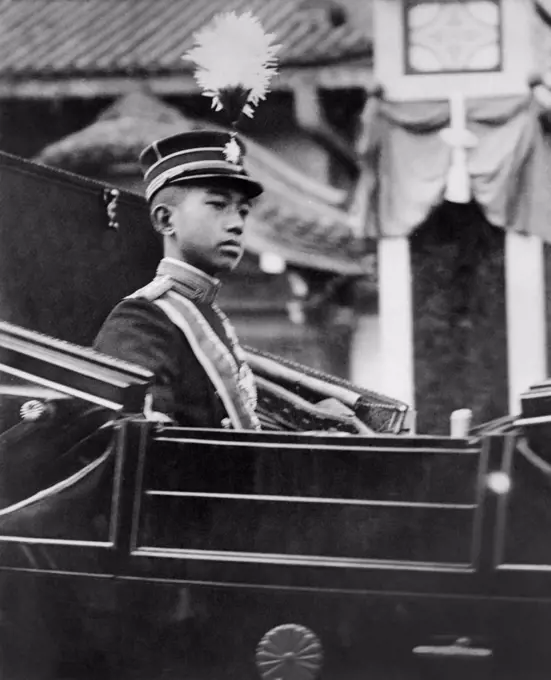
(419,554)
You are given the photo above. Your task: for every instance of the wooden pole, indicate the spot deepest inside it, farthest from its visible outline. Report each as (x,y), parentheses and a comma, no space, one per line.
(525,304)
(396,319)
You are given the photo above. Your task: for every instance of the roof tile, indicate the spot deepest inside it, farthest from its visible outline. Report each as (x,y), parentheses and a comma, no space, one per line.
(117,37)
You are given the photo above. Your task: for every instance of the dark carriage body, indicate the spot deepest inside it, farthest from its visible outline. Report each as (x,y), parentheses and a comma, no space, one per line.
(393,544)
(413,541)
(409,515)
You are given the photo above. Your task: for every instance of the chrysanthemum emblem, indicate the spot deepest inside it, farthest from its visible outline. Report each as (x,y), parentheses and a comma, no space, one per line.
(232,152)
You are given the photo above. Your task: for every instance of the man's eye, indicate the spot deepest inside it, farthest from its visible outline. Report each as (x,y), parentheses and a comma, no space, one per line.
(219,205)
(244,212)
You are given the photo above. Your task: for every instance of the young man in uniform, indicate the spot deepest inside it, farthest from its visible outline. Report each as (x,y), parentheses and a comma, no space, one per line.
(200,196)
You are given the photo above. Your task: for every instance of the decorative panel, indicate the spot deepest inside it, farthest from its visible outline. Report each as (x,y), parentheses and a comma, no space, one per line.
(429,49)
(447,37)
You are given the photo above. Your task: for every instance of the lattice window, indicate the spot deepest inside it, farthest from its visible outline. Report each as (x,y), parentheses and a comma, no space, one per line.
(451,36)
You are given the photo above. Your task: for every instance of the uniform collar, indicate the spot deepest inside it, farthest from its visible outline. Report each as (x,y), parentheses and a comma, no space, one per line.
(189,281)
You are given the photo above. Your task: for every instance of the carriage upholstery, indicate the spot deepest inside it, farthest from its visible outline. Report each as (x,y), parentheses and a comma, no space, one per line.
(58,282)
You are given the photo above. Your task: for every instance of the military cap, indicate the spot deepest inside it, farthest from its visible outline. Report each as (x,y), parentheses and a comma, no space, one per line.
(193,156)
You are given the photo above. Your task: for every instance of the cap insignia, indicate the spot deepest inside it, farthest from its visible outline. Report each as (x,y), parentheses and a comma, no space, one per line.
(232,152)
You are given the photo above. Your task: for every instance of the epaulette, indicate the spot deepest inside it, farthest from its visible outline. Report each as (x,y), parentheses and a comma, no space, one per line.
(154,289)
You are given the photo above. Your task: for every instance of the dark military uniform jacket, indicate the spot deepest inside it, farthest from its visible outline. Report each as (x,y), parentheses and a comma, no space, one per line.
(174,328)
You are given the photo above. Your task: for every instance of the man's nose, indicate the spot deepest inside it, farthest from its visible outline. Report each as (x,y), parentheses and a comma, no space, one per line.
(236,224)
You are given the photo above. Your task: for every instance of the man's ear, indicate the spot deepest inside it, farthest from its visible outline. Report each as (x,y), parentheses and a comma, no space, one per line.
(161,217)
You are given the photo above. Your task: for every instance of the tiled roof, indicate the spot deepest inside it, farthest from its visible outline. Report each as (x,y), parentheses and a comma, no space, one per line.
(298,218)
(56,38)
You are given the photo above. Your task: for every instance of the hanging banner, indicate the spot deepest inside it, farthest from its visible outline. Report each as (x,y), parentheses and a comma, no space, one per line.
(508,168)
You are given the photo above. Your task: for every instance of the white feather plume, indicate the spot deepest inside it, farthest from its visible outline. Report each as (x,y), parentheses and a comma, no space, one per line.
(235,61)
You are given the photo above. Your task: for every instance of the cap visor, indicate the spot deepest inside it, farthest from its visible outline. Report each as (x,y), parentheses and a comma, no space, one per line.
(246,184)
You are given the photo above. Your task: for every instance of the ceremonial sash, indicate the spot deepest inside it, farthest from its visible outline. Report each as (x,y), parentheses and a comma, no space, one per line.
(218,362)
